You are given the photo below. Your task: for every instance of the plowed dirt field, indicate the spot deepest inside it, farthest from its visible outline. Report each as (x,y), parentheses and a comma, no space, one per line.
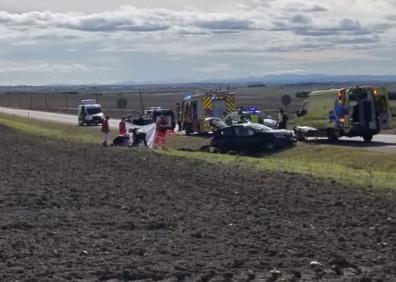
(83,213)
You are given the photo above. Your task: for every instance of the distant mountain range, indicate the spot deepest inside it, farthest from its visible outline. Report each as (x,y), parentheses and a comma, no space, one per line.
(308,79)
(276,79)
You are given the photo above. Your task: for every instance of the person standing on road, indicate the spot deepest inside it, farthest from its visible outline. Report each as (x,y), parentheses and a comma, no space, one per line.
(122,127)
(179,116)
(240,116)
(106,130)
(254,117)
(282,119)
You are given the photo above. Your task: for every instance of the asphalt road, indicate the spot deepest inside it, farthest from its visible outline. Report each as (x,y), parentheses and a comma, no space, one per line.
(56,117)
(381,142)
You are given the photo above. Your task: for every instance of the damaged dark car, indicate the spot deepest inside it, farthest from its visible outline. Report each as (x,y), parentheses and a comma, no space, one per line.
(250,137)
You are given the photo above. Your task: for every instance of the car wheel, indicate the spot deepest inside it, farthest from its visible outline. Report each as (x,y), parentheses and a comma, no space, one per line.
(204,148)
(332,135)
(269,146)
(222,150)
(368,138)
(300,136)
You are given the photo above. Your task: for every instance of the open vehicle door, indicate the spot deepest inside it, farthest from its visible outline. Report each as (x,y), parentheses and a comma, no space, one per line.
(216,123)
(383,108)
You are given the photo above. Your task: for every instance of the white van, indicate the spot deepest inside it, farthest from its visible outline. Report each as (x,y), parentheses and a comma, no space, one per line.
(90,112)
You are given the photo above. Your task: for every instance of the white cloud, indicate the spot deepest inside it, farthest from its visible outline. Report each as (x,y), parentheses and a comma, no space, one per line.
(324,56)
(165,23)
(215,68)
(37,67)
(223,33)
(128,18)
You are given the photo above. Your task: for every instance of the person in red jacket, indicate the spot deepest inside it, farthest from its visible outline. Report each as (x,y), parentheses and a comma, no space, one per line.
(106,130)
(161,129)
(122,127)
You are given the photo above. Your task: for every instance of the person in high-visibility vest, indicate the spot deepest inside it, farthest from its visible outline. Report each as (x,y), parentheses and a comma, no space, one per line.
(161,130)
(122,127)
(254,118)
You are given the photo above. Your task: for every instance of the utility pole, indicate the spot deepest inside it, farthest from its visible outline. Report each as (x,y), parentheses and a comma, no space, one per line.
(141,101)
(67,102)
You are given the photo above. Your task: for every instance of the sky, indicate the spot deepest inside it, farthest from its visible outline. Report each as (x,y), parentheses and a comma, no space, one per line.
(143,41)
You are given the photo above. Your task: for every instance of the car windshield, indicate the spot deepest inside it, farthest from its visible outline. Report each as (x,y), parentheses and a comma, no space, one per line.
(260,127)
(94,111)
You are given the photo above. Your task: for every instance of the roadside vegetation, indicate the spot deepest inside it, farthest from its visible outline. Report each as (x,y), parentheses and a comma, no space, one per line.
(393,110)
(345,165)
(52,130)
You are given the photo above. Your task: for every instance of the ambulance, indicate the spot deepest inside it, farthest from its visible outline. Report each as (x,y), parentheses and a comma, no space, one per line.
(201,105)
(350,112)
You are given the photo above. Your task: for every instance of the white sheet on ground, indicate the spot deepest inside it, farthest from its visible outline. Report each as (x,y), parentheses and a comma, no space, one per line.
(148,129)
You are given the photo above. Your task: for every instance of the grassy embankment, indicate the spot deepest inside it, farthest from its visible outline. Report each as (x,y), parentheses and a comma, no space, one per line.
(340,164)
(51,130)
(393,110)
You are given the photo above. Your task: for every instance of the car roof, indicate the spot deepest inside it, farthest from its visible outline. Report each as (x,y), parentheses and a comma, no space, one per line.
(238,125)
(91,105)
(251,125)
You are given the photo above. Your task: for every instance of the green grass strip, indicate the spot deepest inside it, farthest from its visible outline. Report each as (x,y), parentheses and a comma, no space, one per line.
(51,130)
(329,171)
(345,165)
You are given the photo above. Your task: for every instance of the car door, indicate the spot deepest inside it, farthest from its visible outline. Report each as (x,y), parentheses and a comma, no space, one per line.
(245,138)
(216,123)
(224,138)
(82,114)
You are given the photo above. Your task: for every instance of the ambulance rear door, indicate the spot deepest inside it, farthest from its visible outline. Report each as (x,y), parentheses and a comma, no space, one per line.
(383,108)
(219,108)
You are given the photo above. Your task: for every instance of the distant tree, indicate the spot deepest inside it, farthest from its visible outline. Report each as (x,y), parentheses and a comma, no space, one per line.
(257,85)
